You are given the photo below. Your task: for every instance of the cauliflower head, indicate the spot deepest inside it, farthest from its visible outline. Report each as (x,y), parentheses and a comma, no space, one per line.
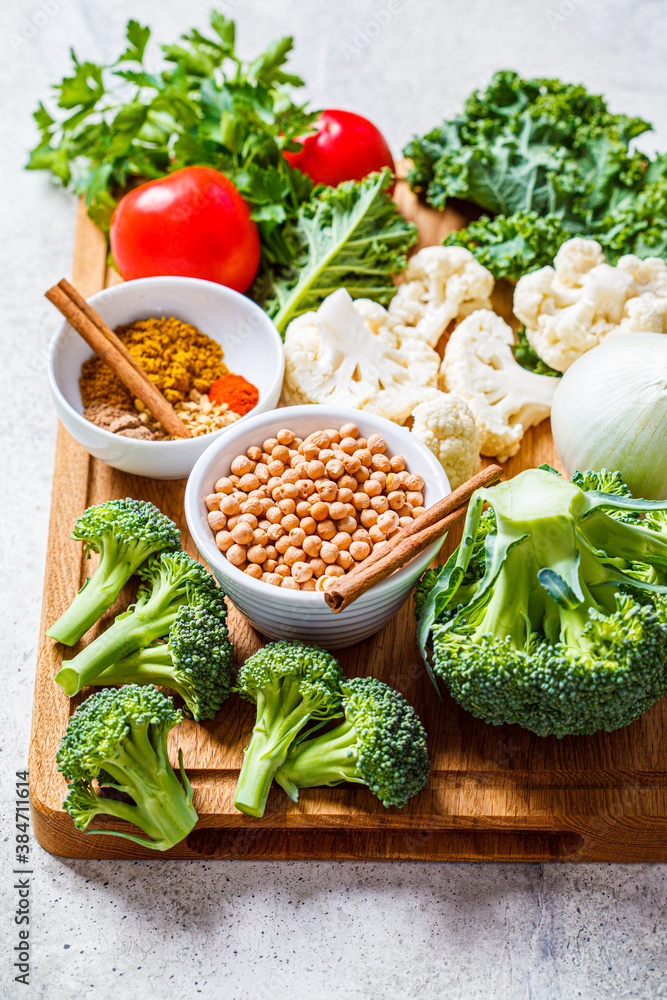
(446,425)
(440,284)
(349,353)
(506,400)
(571,307)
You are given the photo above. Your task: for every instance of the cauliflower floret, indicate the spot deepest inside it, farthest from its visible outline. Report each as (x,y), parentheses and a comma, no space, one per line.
(505,399)
(335,356)
(447,426)
(571,307)
(440,284)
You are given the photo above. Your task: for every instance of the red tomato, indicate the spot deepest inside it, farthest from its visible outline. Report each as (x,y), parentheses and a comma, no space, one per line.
(193,223)
(346,147)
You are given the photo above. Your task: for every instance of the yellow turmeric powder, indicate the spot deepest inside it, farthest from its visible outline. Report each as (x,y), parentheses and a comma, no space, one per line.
(176,356)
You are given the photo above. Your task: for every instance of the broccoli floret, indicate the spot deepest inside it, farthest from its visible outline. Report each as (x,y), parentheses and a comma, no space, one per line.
(118,739)
(381,744)
(171,580)
(291,684)
(196,662)
(560,628)
(125,533)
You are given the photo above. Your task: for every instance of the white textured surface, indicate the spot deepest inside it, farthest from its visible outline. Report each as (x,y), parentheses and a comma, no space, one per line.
(233,930)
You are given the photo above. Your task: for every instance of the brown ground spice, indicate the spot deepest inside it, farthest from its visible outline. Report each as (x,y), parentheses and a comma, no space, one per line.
(176,356)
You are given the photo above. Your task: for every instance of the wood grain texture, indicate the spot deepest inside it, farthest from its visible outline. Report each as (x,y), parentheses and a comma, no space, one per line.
(495,792)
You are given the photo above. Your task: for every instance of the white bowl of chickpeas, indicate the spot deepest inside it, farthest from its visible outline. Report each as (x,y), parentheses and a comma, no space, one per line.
(296,497)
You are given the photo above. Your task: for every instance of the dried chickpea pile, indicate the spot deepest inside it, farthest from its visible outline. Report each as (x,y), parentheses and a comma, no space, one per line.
(297,513)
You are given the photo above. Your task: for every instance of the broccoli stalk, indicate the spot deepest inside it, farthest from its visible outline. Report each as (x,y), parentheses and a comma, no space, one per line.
(118,738)
(196,662)
(381,743)
(171,580)
(552,611)
(291,684)
(125,533)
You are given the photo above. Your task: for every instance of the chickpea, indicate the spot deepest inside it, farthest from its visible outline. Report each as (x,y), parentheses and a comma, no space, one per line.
(294,554)
(334,571)
(397,463)
(260,537)
(333,435)
(224,540)
(405,511)
(381,478)
(287,506)
(329,552)
(327,529)
(309,525)
(349,431)
(276,469)
(254,453)
(376,534)
(348,524)
(297,460)
(376,444)
(415,498)
(257,554)
(216,520)
(275,532)
(318,566)
(289,521)
(388,521)
(232,522)
(229,506)
(309,451)
(315,469)
(272,578)
(337,511)
(296,536)
(360,550)
(234,480)
(362,475)
(416,511)
(368,517)
(362,442)
(345,560)
(348,444)
(253,506)
(335,468)
(262,472)
(236,555)
(288,491)
(289,583)
(254,570)
(372,488)
(242,533)
(274,515)
(320,438)
(325,583)
(319,511)
(265,457)
(341,540)
(212,502)
(347,482)
(305,487)
(380,504)
(265,503)
(269,565)
(396,499)
(282,570)
(403,522)
(273,483)
(282,544)
(224,485)
(326,489)
(351,511)
(312,545)
(269,444)
(302,509)
(249,482)
(285,436)
(352,464)
(302,571)
(326,455)
(249,519)
(309,585)
(360,535)
(344,495)
(280,454)
(380,463)
(364,456)
(290,476)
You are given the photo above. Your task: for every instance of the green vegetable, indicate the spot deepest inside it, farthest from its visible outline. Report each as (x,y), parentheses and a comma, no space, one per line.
(196,662)
(170,581)
(610,408)
(351,236)
(381,744)
(118,739)
(550,161)
(125,533)
(552,612)
(528,358)
(290,683)
(118,123)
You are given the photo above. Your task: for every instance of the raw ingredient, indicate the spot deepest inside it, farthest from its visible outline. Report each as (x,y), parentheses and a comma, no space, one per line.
(169,581)
(381,744)
(298,513)
(192,223)
(446,425)
(506,400)
(117,740)
(344,147)
(610,411)
(124,533)
(440,284)
(120,421)
(550,161)
(235,392)
(290,684)
(552,612)
(352,237)
(581,301)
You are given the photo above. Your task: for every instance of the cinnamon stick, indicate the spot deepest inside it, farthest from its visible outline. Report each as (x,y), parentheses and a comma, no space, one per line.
(77,298)
(408,542)
(130,373)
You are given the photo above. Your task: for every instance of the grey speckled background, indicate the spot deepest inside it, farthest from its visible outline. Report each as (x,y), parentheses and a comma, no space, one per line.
(233,930)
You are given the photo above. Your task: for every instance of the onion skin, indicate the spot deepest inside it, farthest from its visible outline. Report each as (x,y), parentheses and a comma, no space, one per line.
(610,412)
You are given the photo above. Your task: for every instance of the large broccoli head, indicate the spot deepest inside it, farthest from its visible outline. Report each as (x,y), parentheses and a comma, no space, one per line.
(560,625)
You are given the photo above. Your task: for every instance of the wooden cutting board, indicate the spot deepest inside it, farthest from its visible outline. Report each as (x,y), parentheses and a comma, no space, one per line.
(495,793)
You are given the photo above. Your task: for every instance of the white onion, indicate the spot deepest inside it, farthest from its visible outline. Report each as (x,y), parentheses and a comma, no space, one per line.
(610,412)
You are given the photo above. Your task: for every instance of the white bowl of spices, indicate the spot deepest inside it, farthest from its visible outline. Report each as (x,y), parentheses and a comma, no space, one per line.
(172,307)
(338,483)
